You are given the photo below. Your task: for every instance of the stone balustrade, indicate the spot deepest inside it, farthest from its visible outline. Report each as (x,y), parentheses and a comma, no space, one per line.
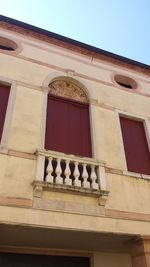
(59,169)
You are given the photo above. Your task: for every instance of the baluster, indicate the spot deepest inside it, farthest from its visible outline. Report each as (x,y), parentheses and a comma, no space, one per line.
(67,173)
(76,175)
(49,170)
(58,171)
(85,183)
(93,178)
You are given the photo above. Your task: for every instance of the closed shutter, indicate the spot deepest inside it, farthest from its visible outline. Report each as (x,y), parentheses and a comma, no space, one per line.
(4,95)
(135,146)
(68,127)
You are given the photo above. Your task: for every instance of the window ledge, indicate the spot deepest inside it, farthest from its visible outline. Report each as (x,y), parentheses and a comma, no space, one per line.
(137,175)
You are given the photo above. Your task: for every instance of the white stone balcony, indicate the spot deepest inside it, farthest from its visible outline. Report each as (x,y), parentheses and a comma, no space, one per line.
(61,172)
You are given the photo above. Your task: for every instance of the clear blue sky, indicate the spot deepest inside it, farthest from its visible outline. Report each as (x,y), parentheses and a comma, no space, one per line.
(118,26)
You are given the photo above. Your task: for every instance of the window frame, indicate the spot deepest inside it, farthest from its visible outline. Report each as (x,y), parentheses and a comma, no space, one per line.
(146,125)
(14,41)
(135,90)
(46,90)
(121,79)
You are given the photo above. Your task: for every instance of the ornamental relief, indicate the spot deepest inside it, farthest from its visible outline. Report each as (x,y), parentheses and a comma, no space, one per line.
(67,89)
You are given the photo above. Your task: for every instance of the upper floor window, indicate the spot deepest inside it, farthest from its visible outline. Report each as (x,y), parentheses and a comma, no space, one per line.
(4,95)
(125,82)
(7,44)
(135,145)
(67,122)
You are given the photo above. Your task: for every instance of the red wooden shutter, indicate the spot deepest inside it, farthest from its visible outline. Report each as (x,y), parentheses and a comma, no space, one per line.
(4,95)
(135,146)
(67,127)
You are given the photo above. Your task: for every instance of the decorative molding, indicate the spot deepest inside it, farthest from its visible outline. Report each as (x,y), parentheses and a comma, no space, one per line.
(13,201)
(15,153)
(103,197)
(66,88)
(82,76)
(125,215)
(21,154)
(113,171)
(39,186)
(70,72)
(71,47)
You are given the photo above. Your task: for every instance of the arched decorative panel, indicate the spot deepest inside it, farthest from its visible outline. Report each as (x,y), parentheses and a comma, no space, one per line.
(66,88)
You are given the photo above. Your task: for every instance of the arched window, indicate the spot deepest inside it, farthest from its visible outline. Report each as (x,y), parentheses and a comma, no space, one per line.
(67,122)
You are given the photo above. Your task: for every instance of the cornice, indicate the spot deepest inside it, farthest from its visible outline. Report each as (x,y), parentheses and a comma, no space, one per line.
(76,47)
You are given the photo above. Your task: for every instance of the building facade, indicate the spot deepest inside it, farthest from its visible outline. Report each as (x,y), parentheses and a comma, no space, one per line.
(74,153)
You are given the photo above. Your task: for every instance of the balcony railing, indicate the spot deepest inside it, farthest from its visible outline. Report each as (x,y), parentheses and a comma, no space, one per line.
(58,170)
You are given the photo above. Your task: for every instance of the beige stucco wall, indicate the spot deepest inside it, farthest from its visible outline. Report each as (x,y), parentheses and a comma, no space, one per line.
(128,194)
(29,70)
(16,177)
(107,146)
(22,70)
(24,134)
